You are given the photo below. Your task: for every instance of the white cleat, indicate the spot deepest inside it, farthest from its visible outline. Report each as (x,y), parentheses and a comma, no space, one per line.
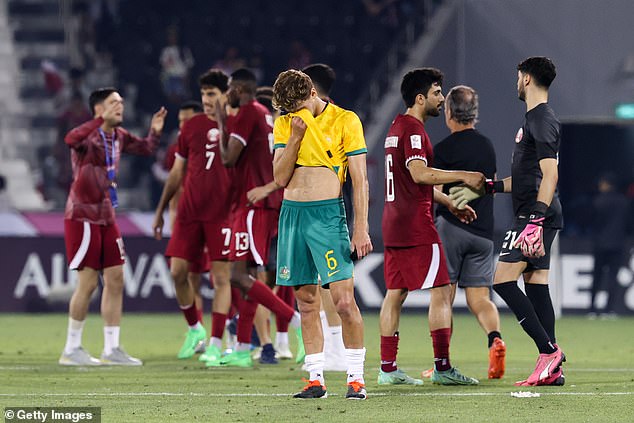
(78,357)
(283,352)
(118,357)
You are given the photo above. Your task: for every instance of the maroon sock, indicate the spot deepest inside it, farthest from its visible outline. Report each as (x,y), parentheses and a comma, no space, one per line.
(264,295)
(190,313)
(440,340)
(200,317)
(236,300)
(245,321)
(218,321)
(389,348)
(285,293)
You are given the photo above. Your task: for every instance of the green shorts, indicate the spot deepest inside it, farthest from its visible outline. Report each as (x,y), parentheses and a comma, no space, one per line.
(313,240)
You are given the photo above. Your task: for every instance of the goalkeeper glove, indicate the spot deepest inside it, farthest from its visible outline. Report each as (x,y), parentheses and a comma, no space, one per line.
(531,240)
(460,195)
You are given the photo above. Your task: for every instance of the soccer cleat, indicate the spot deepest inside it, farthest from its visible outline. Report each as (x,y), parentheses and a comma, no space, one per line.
(236,359)
(118,357)
(313,390)
(452,377)
(547,365)
(78,357)
(301,352)
(426,374)
(212,353)
(397,377)
(283,352)
(557,379)
(267,356)
(200,348)
(192,339)
(356,391)
(256,353)
(497,359)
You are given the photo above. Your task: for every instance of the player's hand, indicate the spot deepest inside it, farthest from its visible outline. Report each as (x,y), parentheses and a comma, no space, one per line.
(158,120)
(257,194)
(361,244)
(220,114)
(475,180)
(157,226)
(461,195)
(465,215)
(298,128)
(531,240)
(111,110)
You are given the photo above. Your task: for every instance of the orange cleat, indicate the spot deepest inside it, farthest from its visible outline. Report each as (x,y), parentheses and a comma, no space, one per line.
(497,359)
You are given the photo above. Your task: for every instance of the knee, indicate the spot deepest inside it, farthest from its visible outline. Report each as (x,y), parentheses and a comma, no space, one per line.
(345,305)
(180,277)
(115,284)
(244,282)
(307,302)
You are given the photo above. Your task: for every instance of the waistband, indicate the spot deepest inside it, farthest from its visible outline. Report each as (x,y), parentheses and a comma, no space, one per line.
(330,201)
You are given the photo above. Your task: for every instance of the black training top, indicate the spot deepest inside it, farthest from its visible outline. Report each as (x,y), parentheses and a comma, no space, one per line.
(537,139)
(468,150)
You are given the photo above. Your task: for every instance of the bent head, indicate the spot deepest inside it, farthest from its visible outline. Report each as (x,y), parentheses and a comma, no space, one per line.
(293,90)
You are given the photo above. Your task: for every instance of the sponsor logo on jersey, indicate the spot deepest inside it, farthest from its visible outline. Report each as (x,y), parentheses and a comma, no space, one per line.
(285,273)
(519,135)
(391,142)
(416,141)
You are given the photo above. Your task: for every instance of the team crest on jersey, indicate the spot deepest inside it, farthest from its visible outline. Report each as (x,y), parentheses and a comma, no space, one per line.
(285,273)
(519,135)
(212,134)
(416,141)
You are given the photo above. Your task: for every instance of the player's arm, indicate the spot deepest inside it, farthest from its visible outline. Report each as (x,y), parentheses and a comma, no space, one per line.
(466,214)
(230,145)
(172,185)
(461,195)
(285,158)
(260,193)
(148,145)
(360,241)
(76,136)
(550,176)
(425,175)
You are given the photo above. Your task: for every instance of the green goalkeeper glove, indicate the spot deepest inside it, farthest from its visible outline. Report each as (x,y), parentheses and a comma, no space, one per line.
(462,194)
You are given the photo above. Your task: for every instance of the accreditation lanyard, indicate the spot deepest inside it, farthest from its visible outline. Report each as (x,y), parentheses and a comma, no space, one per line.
(110,166)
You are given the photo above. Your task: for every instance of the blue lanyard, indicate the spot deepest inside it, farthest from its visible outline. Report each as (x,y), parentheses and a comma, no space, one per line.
(110,166)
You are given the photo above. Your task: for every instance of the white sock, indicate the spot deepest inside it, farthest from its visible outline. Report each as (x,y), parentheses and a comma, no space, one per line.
(73,336)
(281,338)
(243,346)
(110,338)
(355,359)
(216,342)
(314,364)
(336,339)
(296,321)
(197,326)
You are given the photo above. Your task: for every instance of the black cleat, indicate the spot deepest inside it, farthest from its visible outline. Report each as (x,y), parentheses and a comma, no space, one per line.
(313,390)
(356,391)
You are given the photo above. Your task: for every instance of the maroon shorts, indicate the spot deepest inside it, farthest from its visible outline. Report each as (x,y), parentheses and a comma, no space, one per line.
(253,230)
(419,267)
(94,246)
(189,239)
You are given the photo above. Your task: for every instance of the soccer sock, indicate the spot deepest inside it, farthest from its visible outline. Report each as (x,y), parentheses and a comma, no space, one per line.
(285,293)
(281,338)
(296,320)
(110,338)
(216,342)
(355,359)
(218,321)
(73,336)
(492,335)
(389,349)
(314,364)
(200,317)
(191,315)
(264,295)
(543,305)
(440,341)
(245,321)
(336,339)
(525,313)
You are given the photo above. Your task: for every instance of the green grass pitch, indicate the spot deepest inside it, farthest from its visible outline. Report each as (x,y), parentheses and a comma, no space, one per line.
(599,376)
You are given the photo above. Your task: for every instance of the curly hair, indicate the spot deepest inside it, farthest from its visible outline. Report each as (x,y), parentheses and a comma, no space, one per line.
(291,88)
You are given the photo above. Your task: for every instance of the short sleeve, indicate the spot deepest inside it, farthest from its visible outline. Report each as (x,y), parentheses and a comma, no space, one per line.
(353,139)
(281,131)
(414,143)
(545,132)
(241,126)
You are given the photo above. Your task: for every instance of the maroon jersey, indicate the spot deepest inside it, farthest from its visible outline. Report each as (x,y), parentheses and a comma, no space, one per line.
(207,182)
(170,156)
(89,197)
(253,127)
(407,214)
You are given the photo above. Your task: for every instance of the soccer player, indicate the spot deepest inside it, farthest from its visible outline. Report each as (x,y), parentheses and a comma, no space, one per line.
(246,147)
(202,217)
(526,247)
(93,241)
(469,248)
(315,145)
(414,257)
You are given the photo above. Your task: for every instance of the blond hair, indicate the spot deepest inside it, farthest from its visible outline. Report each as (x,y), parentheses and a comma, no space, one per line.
(291,88)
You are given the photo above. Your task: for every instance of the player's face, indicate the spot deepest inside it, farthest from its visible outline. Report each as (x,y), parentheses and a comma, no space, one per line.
(114,100)
(209,96)
(184,116)
(233,94)
(309,103)
(521,89)
(434,100)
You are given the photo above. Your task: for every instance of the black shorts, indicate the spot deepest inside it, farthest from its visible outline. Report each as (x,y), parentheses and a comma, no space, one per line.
(508,254)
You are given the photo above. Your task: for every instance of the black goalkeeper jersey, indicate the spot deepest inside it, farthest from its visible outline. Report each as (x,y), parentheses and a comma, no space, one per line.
(537,139)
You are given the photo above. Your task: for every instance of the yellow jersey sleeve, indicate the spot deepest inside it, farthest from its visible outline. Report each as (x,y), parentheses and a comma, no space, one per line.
(353,139)
(281,131)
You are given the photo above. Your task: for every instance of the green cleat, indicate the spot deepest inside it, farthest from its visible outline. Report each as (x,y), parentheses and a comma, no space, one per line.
(397,377)
(300,355)
(192,339)
(235,359)
(212,353)
(452,377)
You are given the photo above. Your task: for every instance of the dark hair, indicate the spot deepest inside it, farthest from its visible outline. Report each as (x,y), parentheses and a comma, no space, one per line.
(322,75)
(192,105)
(246,79)
(98,96)
(3,182)
(419,81)
(264,95)
(542,69)
(214,78)
(462,102)
(264,90)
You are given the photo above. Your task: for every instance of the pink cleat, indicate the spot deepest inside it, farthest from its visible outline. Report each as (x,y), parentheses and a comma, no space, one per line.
(547,366)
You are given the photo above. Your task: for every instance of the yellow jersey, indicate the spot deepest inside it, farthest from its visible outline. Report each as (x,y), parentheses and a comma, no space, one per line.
(329,140)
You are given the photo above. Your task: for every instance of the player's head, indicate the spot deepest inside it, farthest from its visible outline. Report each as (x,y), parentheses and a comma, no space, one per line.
(538,71)
(187,110)
(292,90)
(213,87)
(242,86)
(422,88)
(104,98)
(461,105)
(323,77)
(264,95)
